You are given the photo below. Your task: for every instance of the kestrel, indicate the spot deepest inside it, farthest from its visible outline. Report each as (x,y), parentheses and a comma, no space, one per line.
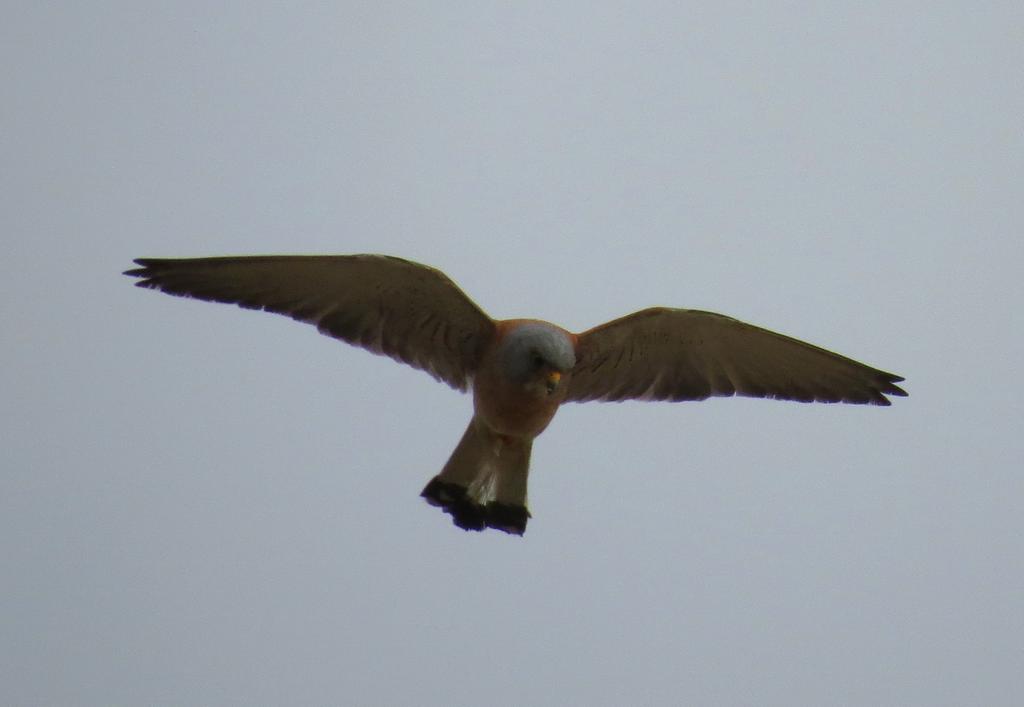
(519,370)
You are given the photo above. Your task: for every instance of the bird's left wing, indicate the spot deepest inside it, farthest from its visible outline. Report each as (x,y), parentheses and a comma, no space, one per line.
(410,312)
(684,354)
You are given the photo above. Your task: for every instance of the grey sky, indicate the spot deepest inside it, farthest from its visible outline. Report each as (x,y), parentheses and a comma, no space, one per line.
(200,505)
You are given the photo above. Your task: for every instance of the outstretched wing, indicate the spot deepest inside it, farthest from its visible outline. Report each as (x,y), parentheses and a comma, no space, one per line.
(682,354)
(410,312)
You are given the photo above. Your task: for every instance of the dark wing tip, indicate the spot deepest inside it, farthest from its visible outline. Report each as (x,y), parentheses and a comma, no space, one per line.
(885,385)
(148,269)
(889,387)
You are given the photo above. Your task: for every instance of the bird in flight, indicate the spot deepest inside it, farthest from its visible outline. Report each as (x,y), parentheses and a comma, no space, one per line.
(519,370)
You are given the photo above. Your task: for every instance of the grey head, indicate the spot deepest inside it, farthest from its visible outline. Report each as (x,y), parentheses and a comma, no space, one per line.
(534,349)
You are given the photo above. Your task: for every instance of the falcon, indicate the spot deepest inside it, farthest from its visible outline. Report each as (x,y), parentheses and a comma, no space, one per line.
(519,370)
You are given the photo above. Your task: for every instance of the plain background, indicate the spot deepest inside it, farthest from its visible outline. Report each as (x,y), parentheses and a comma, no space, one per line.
(200,505)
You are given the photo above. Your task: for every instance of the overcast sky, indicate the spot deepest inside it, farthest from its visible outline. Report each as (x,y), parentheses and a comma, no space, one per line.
(204,505)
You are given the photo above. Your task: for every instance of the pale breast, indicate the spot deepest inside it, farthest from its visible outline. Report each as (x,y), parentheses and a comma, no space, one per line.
(510,410)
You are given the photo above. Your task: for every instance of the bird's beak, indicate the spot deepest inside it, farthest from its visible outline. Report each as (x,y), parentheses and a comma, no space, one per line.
(552,381)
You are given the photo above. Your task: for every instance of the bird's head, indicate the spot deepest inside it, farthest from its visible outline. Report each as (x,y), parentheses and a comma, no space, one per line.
(537,356)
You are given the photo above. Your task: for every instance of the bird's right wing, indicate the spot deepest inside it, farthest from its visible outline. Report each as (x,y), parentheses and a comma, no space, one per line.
(686,354)
(413,313)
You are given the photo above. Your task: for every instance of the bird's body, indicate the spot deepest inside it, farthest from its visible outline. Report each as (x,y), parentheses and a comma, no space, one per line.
(519,370)
(522,405)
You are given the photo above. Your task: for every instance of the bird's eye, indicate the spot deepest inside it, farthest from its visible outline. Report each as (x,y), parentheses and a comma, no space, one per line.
(537,361)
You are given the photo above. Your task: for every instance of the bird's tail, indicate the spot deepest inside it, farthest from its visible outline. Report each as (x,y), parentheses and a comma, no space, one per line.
(483,485)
